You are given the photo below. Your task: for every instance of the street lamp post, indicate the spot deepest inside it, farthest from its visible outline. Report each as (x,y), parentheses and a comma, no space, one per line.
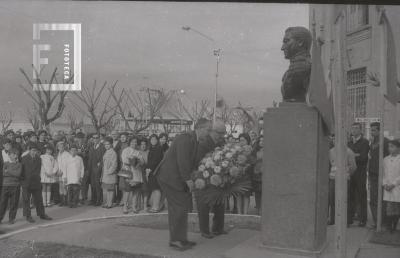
(217,54)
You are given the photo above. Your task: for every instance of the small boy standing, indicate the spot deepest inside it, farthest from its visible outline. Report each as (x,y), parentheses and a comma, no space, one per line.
(31,185)
(11,186)
(73,175)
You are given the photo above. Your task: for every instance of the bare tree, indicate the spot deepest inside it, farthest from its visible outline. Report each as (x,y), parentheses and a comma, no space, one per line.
(250,118)
(100,112)
(33,118)
(74,122)
(231,116)
(48,103)
(198,110)
(143,106)
(6,119)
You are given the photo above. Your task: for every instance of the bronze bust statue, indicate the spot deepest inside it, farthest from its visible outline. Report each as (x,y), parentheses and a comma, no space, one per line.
(296,47)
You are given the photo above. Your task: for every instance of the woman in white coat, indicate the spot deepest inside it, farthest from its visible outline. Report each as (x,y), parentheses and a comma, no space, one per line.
(63,157)
(391,184)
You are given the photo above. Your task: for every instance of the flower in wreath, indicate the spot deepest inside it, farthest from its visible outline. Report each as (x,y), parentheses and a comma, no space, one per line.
(199,183)
(202,168)
(238,148)
(217,156)
(242,159)
(225,164)
(247,150)
(217,169)
(229,155)
(215,180)
(206,174)
(209,163)
(234,171)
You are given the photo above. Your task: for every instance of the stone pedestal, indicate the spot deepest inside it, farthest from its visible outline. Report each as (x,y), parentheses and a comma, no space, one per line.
(295,181)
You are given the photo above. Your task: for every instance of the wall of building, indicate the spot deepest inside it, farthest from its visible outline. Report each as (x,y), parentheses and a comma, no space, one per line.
(364,55)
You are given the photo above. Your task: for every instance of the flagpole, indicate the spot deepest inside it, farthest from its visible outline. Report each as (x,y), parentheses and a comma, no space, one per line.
(217,54)
(341,147)
(380,177)
(383,84)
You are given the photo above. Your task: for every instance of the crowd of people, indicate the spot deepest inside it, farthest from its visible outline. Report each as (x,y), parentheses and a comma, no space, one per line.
(363,163)
(148,173)
(118,169)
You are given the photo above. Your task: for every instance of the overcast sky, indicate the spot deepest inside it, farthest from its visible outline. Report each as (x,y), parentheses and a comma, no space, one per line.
(143,44)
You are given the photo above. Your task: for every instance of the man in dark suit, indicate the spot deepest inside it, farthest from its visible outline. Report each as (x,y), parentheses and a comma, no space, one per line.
(95,160)
(373,170)
(174,177)
(358,189)
(82,148)
(214,139)
(31,185)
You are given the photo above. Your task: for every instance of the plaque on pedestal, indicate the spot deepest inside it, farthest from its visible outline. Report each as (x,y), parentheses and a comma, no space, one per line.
(295,180)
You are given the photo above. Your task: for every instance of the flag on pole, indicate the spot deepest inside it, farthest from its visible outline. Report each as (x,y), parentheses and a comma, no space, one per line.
(317,92)
(389,86)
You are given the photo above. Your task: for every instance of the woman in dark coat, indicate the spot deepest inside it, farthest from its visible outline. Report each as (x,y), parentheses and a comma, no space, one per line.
(154,158)
(163,141)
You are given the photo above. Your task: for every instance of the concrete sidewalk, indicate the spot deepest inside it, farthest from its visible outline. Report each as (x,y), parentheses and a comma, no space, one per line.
(77,227)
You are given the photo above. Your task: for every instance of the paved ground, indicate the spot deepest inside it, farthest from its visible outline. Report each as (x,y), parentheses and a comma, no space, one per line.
(111,235)
(121,235)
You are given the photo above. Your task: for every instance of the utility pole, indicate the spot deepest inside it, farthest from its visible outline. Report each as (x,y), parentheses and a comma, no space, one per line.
(340,144)
(217,53)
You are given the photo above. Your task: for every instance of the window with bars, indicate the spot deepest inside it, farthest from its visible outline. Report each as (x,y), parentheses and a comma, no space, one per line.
(357,16)
(357,92)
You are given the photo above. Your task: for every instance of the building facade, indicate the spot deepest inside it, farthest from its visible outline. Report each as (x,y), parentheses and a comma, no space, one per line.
(363,46)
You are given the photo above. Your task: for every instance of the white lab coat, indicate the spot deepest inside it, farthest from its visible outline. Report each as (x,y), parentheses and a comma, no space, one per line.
(391,175)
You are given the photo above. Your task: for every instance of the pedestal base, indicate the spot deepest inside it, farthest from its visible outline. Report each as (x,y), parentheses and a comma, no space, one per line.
(295,181)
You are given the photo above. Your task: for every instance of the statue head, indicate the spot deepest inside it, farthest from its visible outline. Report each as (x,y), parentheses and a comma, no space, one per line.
(296,39)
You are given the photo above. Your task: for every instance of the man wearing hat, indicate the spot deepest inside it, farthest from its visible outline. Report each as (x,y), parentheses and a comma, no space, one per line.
(213,140)
(82,151)
(4,157)
(9,134)
(42,141)
(95,159)
(31,183)
(32,138)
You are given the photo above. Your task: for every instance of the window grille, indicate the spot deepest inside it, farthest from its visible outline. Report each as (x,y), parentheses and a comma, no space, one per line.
(357,92)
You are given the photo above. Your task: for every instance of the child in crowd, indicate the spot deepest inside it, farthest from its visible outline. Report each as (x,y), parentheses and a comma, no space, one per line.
(391,184)
(63,157)
(72,176)
(48,173)
(144,193)
(11,186)
(109,175)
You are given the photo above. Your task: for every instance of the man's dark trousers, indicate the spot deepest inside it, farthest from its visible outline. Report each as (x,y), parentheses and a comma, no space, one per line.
(178,208)
(37,200)
(85,185)
(9,194)
(73,194)
(373,196)
(203,211)
(95,185)
(358,194)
